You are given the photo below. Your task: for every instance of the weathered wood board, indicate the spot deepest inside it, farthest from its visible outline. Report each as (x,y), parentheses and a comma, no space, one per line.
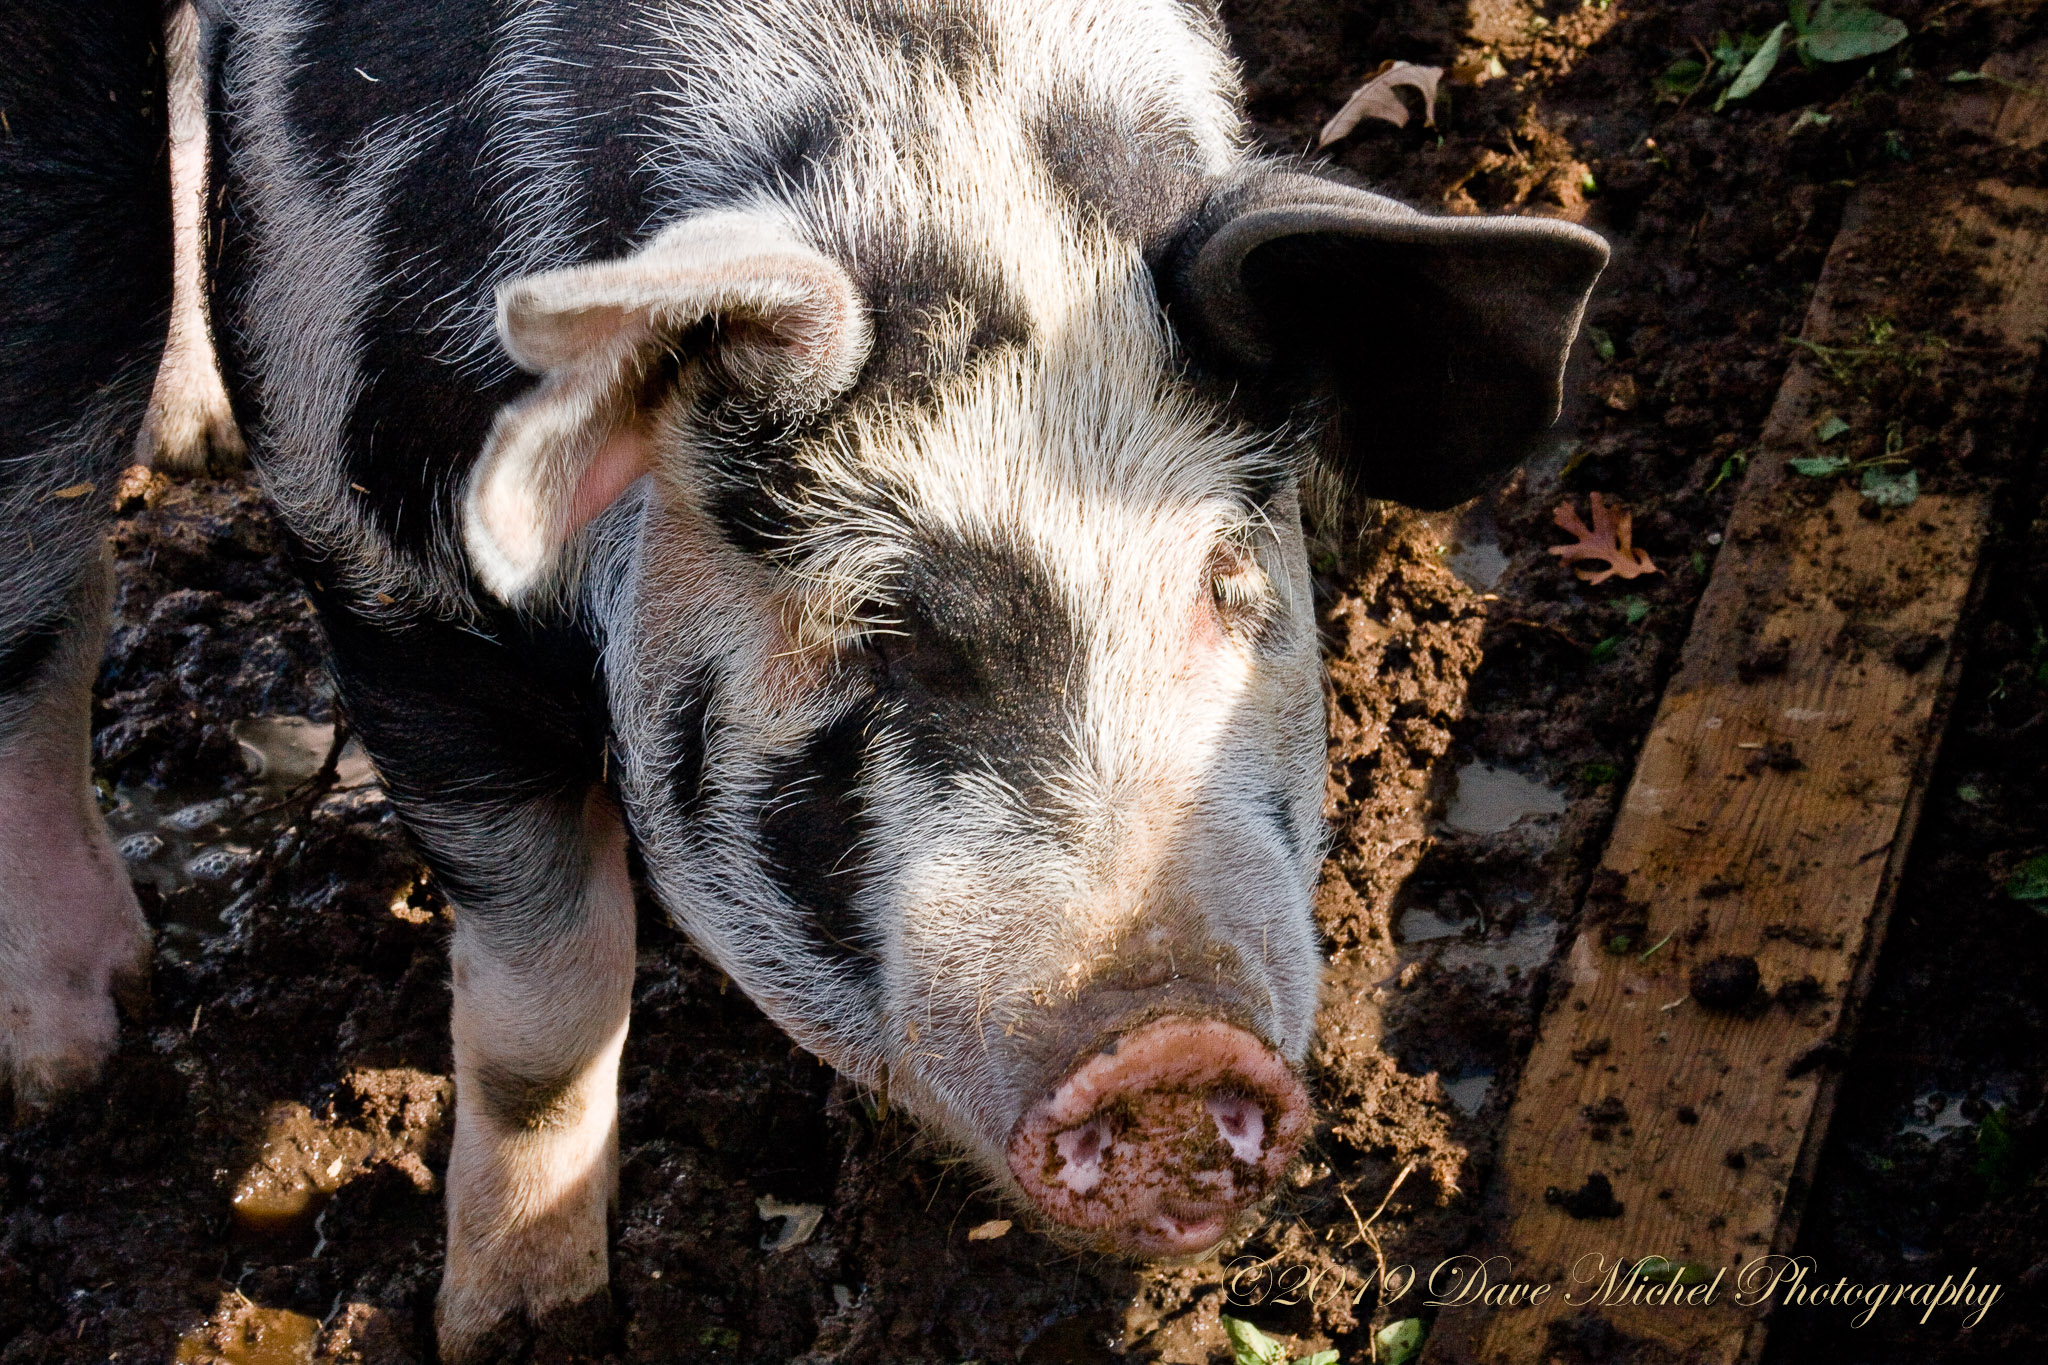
(1771,808)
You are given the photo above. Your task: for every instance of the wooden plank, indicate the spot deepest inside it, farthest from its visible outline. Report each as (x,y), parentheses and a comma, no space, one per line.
(1771,808)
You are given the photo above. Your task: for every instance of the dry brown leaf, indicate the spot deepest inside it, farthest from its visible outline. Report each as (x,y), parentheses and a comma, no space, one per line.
(993,1228)
(1608,540)
(1376,99)
(76,490)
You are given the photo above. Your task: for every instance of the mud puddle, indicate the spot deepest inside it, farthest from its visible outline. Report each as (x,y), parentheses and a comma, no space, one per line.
(1490,800)
(193,844)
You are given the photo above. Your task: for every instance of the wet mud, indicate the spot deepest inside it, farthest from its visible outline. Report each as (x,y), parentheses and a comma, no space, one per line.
(259,1178)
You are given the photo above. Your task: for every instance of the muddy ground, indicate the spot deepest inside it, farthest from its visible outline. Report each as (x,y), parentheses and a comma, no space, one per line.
(258,1181)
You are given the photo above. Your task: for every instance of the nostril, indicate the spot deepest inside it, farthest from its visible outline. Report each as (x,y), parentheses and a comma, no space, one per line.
(1160,1141)
(1082,1153)
(1242,1125)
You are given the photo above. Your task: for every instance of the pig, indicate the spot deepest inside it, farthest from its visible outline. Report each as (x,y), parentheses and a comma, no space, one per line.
(853,452)
(85,235)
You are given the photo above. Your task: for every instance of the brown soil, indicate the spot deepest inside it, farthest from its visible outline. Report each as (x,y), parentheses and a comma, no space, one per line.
(258,1181)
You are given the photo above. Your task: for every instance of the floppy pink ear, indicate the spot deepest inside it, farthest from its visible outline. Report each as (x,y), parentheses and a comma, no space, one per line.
(791,329)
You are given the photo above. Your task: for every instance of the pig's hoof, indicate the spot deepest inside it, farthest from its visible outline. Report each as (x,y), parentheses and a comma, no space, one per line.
(190,433)
(572,1331)
(60,1026)
(511,1287)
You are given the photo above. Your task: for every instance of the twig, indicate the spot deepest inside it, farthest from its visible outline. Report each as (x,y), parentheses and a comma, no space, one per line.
(1372,1239)
(319,784)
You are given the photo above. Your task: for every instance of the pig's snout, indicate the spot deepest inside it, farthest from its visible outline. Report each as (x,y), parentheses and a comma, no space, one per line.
(1157,1143)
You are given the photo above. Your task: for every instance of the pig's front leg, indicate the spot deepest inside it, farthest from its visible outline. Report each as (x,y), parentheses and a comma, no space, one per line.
(71,934)
(494,760)
(541,999)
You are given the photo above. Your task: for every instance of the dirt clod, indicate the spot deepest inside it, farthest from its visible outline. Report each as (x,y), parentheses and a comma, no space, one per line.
(1591,1201)
(1727,983)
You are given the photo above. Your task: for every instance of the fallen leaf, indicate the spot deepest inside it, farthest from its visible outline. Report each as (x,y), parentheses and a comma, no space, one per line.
(1376,99)
(989,1231)
(1608,540)
(799,1221)
(76,490)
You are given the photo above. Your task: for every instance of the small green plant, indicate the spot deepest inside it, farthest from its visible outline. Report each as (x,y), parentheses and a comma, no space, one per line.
(1820,36)
(2000,1162)
(1730,467)
(1599,774)
(1880,348)
(1821,466)
(1400,1342)
(2028,883)
(1973,77)
(1889,480)
(1250,1346)
(1658,1270)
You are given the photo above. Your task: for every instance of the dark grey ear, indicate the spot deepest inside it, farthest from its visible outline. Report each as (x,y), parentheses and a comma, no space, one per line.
(1438,343)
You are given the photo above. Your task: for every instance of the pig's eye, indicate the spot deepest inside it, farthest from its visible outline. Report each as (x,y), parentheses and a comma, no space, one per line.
(1237,586)
(913,655)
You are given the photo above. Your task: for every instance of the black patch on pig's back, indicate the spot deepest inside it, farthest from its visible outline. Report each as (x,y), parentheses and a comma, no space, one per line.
(814,831)
(361,64)
(978,676)
(84,225)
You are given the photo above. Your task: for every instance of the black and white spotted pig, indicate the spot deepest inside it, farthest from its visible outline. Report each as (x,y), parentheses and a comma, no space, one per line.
(86,249)
(853,449)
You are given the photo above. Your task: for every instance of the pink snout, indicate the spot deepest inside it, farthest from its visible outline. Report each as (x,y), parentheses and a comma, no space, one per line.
(1157,1144)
